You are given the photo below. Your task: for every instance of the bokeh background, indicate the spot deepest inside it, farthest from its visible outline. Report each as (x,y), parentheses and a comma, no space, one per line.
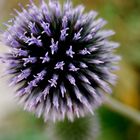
(123,16)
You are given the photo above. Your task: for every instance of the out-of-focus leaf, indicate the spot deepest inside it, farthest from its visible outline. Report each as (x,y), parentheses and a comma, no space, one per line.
(86,128)
(21,125)
(116,127)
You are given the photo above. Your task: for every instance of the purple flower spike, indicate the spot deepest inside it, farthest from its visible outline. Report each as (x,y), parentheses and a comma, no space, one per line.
(29,60)
(64,34)
(19,52)
(69,52)
(33,28)
(84,51)
(77,36)
(46,27)
(72,68)
(34,40)
(61,58)
(59,65)
(46,58)
(54,46)
(53,81)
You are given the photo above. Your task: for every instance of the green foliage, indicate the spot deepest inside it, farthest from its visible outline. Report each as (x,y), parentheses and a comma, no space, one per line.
(22,126)
(112,125)
(80,129)
(116,127)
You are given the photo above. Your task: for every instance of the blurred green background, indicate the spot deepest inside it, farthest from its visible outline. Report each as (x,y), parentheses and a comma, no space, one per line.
(123,16)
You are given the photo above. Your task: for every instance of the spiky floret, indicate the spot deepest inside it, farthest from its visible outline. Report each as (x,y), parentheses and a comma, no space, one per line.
(61,58)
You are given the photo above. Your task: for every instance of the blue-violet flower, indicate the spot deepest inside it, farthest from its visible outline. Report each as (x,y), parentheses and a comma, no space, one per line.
(61,58)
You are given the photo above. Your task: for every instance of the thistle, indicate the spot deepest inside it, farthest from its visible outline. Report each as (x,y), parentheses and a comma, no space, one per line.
(60,58)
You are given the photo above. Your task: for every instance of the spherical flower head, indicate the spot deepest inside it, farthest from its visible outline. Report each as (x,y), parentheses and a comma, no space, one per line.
(60,58)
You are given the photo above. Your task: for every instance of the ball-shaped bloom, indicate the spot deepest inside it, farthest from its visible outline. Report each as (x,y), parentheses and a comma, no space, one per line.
(60,58)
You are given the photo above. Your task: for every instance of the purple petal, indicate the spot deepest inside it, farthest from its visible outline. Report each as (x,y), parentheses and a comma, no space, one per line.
(70,52)
(54,46)
(59,65)
(46,27)
(46,58)
(29,60)
(72,67)
(77,36)
(53,81)
(84,51)
(71,79)
(64,34)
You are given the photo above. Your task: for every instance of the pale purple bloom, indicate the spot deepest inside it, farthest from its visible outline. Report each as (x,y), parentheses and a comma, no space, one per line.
(61,58)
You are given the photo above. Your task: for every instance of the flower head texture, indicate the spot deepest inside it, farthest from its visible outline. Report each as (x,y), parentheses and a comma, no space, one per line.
(60,58)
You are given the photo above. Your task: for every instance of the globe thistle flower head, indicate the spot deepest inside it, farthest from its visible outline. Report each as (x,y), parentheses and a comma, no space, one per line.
(61,58)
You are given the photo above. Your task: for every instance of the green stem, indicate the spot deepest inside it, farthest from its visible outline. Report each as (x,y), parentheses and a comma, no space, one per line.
(123,109)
